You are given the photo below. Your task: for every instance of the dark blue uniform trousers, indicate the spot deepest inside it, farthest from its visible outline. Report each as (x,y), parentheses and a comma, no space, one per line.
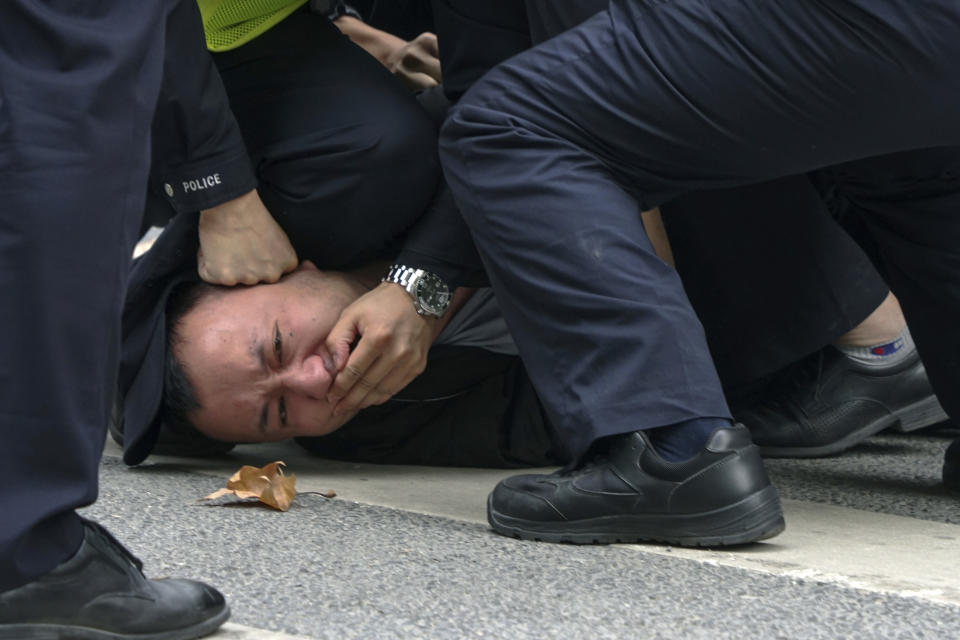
(78,86)
(554,154)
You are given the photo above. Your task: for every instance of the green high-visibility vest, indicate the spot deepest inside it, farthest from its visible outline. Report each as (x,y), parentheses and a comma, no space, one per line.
(231,23)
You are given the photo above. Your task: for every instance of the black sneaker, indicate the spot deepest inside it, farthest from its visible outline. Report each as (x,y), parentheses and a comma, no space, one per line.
(628,493)
(951,467)
(101,594)
(827,403)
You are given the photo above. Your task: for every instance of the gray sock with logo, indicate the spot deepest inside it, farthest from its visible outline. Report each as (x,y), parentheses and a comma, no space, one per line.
(884,355)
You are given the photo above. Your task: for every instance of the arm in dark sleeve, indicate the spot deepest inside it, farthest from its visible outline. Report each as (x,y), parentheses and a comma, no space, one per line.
(440,242)
(199,158)
(474,37)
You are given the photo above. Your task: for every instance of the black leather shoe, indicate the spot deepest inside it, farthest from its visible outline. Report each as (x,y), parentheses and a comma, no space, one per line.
(628,493)
(951,467)
(101,594)
(827,404)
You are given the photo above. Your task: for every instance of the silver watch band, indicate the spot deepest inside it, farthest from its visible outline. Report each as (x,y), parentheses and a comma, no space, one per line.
(403,275)
(429,293)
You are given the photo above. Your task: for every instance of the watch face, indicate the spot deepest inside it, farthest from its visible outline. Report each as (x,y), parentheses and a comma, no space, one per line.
(433,295)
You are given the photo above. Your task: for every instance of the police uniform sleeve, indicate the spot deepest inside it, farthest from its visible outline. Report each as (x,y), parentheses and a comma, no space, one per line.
(440,242)
(199,158)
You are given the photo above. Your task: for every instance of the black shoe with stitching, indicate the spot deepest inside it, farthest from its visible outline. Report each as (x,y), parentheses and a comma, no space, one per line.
(625,492)
(827,403)
(101,594)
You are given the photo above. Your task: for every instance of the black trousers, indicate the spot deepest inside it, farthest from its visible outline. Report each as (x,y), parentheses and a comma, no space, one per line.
(553,155)
(77,92)
(743,254)
(771,274)
(345,157)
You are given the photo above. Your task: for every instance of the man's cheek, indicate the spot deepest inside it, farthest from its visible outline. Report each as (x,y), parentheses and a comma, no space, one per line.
(314,418)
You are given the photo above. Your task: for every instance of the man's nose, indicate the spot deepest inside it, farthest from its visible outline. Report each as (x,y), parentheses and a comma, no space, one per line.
(310,379)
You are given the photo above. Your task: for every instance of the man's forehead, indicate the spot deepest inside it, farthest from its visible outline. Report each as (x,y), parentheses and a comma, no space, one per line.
(231,309)
(223,352)
(229,392)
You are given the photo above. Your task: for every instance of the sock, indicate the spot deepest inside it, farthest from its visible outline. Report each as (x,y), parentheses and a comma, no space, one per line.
(882,356)
(683,440)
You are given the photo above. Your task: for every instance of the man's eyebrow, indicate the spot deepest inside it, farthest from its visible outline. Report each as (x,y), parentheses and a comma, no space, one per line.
(257,350)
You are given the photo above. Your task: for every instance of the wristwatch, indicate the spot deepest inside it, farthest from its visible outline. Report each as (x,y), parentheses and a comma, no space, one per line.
(430,293)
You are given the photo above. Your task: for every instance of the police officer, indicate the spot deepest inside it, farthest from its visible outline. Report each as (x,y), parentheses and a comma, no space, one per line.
(79,85)
(644,102)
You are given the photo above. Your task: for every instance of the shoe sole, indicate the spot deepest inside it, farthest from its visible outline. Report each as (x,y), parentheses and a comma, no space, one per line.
(65,632)
(757,517)
(910,418)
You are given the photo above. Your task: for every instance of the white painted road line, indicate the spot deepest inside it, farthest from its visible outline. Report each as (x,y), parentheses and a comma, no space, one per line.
(858,549)
(232,631)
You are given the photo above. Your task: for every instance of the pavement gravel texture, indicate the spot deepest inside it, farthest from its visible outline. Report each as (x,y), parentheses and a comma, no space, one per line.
(329,568)
(891,473)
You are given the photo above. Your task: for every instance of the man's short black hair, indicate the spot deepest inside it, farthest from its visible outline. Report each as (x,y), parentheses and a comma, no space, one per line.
(178,434)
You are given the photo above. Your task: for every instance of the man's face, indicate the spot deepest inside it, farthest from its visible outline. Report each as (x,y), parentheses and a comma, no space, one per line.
(257,356)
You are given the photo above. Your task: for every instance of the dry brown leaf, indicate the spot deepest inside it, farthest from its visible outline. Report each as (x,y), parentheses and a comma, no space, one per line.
(267,484)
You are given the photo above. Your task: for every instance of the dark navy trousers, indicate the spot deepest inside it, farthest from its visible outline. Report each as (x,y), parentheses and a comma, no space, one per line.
(554,154)
(78,86)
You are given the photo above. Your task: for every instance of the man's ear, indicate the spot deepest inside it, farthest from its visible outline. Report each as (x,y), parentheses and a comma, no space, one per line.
(306,265)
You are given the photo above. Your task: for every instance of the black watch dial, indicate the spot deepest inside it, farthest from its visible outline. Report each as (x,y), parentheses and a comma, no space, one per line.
(432,294)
